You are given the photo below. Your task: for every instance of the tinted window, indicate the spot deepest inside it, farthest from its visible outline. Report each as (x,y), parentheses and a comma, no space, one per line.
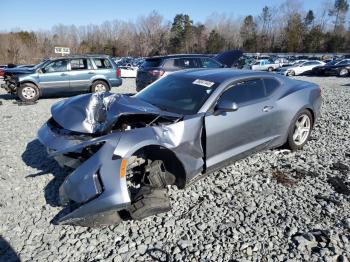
(210,63)
(271,85)
(245,92)
(177,94)
(79,64)
(186,63)
(311,63)
(344,62)
(102,63)
(56,66)
(152,62)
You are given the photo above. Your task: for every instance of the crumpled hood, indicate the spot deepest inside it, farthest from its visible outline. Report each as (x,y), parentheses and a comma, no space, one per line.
(93,113)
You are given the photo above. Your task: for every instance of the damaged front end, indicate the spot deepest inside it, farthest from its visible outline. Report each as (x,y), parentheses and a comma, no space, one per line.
(10,84)
(124,152)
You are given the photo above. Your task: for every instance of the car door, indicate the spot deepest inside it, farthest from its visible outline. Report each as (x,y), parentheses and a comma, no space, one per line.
(233,135)
(81,72)
(54,78)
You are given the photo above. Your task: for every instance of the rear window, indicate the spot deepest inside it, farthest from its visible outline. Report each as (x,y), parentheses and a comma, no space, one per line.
(186,63)
(102,63)
(152,63)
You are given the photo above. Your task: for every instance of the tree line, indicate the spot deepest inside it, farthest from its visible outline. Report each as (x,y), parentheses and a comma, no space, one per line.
(284,28)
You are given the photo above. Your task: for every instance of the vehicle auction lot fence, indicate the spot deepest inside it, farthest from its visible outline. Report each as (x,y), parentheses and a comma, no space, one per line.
(259,207)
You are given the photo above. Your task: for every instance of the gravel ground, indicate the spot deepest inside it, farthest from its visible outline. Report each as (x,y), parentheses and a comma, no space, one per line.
(273,206)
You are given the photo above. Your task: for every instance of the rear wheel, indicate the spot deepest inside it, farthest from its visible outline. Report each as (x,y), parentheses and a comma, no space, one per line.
(99,86)
(270,69)
(343,72)
(300,130)
(28,92)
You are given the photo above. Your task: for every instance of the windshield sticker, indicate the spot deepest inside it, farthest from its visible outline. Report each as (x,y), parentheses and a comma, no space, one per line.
(203,83)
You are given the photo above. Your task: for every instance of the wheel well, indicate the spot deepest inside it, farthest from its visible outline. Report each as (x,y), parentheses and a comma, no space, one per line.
(312,114)
(103,80)
(170,160)
(28,82)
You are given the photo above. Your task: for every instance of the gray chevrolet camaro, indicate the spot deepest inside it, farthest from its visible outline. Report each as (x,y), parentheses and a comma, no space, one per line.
(125,150)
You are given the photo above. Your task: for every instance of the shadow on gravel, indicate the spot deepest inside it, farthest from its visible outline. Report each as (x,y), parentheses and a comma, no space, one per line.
(6,251)
(35,156)
(7,97)
(158,254)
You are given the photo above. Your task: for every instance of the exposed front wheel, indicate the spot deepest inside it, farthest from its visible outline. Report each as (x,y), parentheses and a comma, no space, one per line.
(300,130)
(28,92)
(147,188)
(291,73)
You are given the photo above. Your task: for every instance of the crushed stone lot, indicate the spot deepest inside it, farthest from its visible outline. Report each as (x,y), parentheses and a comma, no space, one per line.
(272,206)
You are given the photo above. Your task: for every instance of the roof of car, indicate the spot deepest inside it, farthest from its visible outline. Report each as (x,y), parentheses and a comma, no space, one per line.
(80,56)
(178,56)
(222,74)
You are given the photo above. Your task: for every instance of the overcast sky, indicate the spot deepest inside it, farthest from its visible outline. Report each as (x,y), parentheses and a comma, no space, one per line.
(43,14)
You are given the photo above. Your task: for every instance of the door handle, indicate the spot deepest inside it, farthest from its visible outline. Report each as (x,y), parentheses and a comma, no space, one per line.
(91,73)
(267,108)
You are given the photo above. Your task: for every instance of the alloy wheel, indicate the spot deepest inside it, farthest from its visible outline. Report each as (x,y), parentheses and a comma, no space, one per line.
(302,129)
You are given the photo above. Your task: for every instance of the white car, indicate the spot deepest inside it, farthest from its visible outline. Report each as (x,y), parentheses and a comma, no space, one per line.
(128,71)
(299,68)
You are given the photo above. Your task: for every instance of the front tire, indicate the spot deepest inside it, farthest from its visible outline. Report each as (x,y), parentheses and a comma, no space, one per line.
(300,130)
(99,86)
(292,73)
(28,92)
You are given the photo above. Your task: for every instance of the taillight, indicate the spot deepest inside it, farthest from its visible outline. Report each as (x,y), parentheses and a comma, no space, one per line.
(156,73)
(2,73)
(118,72)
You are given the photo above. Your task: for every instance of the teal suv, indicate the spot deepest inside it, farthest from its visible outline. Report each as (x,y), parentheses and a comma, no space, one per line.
(64,76)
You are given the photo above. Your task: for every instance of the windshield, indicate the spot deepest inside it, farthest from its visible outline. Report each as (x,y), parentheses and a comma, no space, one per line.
(40,64)
(299,63)
(178,94)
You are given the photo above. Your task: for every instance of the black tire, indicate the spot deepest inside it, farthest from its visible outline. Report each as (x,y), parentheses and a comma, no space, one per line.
(97,85)
(28,92)
(270,69)
(292,144)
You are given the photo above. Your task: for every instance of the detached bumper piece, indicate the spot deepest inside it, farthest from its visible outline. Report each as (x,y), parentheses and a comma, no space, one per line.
(110,217)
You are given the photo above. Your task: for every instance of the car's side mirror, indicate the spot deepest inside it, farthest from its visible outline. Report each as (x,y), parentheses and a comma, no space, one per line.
(225,106)
(40,71)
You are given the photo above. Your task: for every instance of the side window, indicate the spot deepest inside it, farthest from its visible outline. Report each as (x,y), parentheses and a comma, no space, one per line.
(56,66)
(271,85)
(184,63)
(210,63)
(102,63)
(244,92)
(79,64)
